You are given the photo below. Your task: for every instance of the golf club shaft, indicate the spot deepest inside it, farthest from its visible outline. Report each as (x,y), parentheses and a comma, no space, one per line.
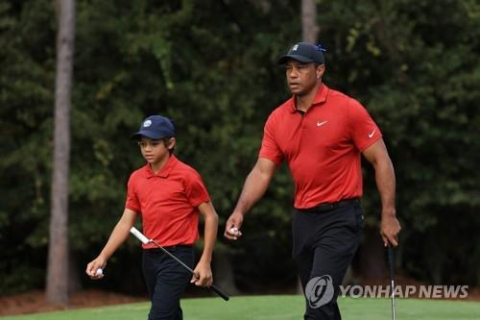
(391,267)
(145,240)
(212,287)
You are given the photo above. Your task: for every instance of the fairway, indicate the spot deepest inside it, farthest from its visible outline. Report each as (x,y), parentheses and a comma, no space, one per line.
(276,308)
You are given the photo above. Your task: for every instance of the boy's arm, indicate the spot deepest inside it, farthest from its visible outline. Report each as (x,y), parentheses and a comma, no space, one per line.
(119,234)
(203,272)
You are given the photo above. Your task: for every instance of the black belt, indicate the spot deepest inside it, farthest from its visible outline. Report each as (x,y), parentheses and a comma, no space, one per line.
(168,248)
(324,207)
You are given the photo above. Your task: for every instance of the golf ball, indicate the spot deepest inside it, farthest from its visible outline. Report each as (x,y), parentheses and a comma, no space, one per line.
(234,230)
(99,272)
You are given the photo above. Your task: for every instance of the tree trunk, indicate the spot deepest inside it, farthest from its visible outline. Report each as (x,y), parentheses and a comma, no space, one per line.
(309,21)
(309,34)
(57,269)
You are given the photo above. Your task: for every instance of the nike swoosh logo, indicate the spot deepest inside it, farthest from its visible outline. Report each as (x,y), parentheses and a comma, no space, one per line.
(321,123)
(371,134)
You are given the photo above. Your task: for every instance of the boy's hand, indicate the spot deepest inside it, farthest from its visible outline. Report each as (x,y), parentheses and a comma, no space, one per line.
(94,266)
(202,276)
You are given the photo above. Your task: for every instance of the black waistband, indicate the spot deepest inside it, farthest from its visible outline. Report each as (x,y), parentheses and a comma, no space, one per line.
(324,207)
(169,248)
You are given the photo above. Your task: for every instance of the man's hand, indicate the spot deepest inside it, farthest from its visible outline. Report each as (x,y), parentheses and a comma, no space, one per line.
(202,275)
(232,227)
(389,229)
(255,186)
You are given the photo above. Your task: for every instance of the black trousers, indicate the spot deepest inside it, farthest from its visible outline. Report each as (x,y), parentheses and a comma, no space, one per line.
(166,280)
(324,243)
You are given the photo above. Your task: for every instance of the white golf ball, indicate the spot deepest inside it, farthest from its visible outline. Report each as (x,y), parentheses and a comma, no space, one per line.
(234,230)
(99,272)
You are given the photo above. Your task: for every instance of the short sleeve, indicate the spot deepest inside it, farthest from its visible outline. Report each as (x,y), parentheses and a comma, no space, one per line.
(195,190)
(363,130)
(132,202)
(270,148)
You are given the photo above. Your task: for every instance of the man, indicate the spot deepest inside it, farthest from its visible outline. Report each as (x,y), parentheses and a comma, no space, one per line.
(321,134)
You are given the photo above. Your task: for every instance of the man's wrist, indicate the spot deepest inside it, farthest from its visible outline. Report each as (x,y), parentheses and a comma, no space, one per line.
(389,212)
(239,211)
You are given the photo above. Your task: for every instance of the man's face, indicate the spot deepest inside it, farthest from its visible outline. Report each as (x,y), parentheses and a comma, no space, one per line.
(302,77)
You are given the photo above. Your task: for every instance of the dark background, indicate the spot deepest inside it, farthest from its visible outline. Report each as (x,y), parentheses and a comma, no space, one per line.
(211,66)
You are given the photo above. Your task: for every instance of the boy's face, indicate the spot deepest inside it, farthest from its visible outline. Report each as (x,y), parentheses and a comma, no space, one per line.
(155,151)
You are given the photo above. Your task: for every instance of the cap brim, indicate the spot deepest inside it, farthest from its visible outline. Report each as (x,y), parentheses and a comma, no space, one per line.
(287,57)
(147,134)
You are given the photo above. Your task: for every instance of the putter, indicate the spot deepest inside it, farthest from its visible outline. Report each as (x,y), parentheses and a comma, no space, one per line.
(391,267)
(145,240)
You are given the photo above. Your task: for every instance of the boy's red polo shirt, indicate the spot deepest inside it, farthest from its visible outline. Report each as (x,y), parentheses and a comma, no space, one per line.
(322,146)
(168,202)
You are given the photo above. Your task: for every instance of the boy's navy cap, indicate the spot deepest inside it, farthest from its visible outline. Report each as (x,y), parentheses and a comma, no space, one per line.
(155,127)
(304,52)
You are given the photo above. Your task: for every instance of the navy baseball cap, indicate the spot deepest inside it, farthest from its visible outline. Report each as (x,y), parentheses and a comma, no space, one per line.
(155,127)
(304,52)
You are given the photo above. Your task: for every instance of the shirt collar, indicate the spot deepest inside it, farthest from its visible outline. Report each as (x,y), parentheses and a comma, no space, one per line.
(320,97)
(165,171)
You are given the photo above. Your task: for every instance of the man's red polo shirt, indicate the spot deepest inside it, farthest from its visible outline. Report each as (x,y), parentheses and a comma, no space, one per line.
(322,146)
(168,202)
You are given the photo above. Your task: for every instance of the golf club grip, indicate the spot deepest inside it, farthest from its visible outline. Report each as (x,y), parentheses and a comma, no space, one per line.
(391,261)
(219,292)
(139,235)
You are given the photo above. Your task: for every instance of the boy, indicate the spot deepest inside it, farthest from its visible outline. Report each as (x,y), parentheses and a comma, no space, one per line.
(168,195)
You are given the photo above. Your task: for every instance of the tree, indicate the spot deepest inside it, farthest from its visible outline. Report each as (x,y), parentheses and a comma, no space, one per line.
(210,65)
(58,262)
(310,29)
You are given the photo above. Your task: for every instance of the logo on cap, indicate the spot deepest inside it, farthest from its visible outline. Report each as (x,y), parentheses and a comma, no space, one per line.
(295,47)
(147,123)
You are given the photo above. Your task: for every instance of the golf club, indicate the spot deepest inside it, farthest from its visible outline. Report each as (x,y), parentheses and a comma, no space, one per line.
(145,240)
(391,267)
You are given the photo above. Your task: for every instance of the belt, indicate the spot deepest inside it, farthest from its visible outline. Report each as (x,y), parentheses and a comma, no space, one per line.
(168,248)
(329,206)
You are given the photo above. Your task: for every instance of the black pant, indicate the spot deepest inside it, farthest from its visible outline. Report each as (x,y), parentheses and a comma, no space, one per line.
(166,280)
(324,244)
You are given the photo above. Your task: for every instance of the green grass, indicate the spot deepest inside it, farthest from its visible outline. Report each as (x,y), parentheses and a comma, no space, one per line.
(276,308)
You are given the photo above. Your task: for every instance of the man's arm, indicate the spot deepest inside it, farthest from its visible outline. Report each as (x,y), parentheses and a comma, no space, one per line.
(254,188)
(203,272)
(119,234)
(377,155)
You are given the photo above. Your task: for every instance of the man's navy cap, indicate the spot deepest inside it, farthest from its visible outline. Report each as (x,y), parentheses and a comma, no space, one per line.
(304,52)
(155,127)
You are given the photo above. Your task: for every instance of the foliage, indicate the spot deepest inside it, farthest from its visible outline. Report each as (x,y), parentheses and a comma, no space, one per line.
(415,66)
(211,66)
